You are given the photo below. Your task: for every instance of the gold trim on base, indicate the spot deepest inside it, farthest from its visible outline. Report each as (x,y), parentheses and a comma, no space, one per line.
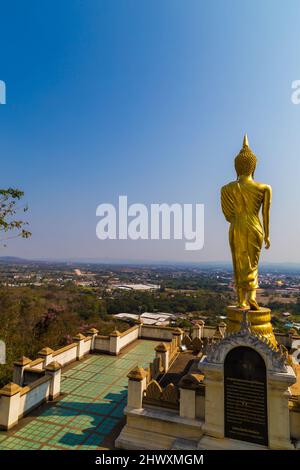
(260,321)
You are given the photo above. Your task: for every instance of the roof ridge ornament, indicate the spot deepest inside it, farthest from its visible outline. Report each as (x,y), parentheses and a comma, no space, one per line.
(275,358)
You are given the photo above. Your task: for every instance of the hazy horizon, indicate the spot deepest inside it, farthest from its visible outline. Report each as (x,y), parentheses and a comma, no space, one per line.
(142,262)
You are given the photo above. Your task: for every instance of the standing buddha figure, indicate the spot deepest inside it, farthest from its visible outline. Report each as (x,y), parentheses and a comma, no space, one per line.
(241,202)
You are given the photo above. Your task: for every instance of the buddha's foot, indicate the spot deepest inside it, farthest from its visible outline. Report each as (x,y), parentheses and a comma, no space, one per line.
(243,305)
(253,304)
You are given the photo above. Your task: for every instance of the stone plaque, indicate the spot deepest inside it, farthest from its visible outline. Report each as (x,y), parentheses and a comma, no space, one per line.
(245,397)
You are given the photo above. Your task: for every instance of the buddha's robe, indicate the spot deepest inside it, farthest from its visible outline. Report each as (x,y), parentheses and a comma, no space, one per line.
(241,203)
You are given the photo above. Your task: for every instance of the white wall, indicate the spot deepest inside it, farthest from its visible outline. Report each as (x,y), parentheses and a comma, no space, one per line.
(34,396)
(64,355)
(102,343)
(159,333)
(208,332)
(129,337)
(87,346)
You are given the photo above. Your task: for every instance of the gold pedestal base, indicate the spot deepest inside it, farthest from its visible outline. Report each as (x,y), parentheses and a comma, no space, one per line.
(260,321)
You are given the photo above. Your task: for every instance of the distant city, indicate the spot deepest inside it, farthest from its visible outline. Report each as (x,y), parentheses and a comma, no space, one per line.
(279,287)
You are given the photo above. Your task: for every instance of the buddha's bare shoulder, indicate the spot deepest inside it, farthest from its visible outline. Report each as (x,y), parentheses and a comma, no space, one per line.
(263,186)
(230,185)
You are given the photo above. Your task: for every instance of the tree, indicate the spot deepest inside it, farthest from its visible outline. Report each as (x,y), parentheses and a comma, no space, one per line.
(8,210)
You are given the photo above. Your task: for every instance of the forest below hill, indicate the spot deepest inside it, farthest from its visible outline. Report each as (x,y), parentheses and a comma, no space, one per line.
(31,318)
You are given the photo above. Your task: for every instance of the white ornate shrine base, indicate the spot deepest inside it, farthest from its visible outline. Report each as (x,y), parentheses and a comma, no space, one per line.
(280,377)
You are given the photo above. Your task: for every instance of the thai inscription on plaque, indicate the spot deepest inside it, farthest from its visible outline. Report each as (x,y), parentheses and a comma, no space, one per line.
(245,396)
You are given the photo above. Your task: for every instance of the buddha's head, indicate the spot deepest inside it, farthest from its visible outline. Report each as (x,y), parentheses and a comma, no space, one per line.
(245,161)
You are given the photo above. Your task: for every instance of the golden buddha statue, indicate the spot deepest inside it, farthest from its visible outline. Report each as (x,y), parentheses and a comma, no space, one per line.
(242,201)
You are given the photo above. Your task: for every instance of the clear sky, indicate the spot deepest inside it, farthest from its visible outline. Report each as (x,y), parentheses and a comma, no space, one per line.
(147,98)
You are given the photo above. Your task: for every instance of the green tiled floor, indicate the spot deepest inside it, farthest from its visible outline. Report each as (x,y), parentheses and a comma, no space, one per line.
(95,394)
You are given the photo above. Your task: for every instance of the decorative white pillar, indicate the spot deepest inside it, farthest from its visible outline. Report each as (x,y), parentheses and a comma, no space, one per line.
(189,387)
(114,343)
(278,409)
(79,339)
(136,386)
(9,405)
(196,331)
(187,408)
(162,351)
(93,333)
(178,334)
(46,355)
(201,324)
(19,367)
(222,328)
(214,399)
(54,370)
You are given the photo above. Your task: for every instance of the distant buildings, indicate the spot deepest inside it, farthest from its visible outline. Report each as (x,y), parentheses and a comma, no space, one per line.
(139,287)
(157,318)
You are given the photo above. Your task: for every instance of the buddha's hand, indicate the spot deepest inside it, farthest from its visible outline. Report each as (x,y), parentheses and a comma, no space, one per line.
(267,243)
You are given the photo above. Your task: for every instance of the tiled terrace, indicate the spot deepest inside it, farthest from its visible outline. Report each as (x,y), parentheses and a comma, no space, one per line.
(89,414)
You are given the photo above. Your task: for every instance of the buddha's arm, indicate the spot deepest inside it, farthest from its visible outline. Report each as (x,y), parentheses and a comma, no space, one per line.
(266,214)
(226,203)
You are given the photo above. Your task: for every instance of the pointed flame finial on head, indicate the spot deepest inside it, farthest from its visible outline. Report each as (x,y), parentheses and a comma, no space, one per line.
(245,141)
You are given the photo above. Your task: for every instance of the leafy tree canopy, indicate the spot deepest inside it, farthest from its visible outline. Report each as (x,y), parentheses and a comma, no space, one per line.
(9,222)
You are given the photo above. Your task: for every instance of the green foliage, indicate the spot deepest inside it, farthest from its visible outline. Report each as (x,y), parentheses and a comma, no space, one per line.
(168,301)
(34,317)
(182,323)
(194,282)
(8,210)
(292,307)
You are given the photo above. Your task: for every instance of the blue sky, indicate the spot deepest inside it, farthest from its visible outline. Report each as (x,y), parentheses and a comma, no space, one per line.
(148,98)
